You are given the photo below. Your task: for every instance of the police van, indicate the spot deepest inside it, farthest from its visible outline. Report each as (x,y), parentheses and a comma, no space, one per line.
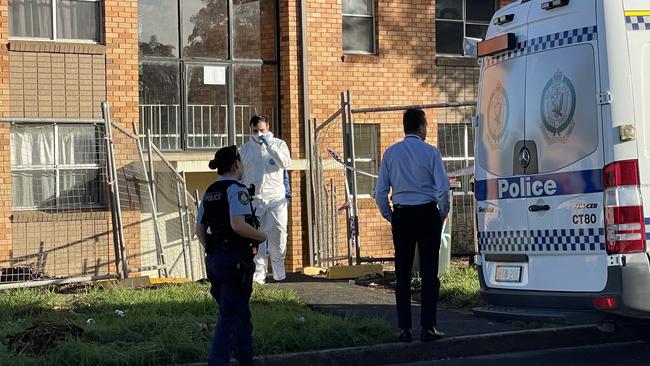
(563,158)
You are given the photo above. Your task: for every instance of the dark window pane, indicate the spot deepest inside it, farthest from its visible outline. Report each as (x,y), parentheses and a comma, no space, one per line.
(366,184)
(254,29)
(207,111)
(358,7)
(449,9)
(80,145)
(80,188)
(479,10)
(366,155)
(254,95)
(205,28)
(365,141)
(30,18)
(475,31)
(449,37)
(77,19)
(158,28)
(160,103)
(358,34)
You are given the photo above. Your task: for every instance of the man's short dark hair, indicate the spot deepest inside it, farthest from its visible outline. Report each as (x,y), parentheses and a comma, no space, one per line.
(224,159)
(257,119)
(413,119)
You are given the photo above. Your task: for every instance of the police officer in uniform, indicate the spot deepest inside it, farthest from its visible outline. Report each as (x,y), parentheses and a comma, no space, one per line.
(414,171)
(227,228)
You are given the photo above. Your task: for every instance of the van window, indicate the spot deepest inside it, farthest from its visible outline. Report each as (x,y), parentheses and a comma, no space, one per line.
(561,108)
(501,115)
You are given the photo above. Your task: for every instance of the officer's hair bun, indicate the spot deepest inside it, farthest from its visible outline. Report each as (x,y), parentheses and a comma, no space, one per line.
(212,164)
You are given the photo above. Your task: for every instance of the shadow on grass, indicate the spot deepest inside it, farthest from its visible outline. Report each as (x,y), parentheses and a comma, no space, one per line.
(159,325)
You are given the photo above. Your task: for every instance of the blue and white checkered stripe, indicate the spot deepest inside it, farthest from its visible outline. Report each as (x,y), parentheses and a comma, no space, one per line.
(637,23)
(535,241)
(547,42)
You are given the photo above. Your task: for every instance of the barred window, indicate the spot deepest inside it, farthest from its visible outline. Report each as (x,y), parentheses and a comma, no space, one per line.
(57,167)
(55,19)
(456,145)
(366,142)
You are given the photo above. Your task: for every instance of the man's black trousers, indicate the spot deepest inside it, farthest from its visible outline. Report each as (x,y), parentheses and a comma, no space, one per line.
(419,225)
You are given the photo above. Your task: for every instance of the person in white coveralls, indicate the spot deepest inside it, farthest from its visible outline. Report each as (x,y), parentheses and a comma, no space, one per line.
(265,160)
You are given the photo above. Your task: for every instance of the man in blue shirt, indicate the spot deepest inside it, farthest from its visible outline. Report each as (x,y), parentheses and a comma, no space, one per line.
(414,172)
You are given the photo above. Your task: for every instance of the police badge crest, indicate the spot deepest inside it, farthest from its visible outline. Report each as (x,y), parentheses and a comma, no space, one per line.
(497,116)
(557,108)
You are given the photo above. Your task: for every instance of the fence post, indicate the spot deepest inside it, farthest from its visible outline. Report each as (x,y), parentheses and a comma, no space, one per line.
(197,202)
(116,211)
(355,207)
(182,222)
(190,236)
(311,132)
(346,154)
(160,253)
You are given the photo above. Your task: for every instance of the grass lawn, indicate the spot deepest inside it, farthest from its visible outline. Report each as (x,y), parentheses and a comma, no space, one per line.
(460,288)
(159,326)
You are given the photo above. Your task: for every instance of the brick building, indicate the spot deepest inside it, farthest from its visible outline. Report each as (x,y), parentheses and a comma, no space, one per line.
(192,72)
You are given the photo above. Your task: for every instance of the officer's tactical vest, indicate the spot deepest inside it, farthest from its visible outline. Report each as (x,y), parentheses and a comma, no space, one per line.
(217,218)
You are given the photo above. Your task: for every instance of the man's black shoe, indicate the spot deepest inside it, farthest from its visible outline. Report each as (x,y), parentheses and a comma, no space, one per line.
(405,336)
(432,334)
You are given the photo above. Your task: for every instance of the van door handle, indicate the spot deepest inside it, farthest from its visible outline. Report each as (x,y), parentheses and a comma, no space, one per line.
(537,208)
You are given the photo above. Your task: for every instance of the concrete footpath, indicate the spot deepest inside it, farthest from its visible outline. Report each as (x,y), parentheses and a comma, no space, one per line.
(341,297)
(466,335)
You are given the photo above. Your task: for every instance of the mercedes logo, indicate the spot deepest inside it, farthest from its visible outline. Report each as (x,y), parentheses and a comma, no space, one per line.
(524,157)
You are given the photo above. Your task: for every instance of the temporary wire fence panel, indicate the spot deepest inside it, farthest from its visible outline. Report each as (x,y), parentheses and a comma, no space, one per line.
(176,213)
(375,130)
(60,220)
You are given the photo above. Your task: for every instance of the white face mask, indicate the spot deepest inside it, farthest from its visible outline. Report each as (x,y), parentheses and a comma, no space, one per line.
(256,136)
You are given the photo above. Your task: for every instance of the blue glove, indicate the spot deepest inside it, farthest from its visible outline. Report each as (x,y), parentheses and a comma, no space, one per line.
(265,140)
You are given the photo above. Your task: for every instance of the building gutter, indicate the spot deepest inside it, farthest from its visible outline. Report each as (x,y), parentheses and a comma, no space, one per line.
(306,113)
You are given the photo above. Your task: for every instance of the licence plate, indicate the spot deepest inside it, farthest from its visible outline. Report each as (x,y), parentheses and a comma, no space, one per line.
(508,274)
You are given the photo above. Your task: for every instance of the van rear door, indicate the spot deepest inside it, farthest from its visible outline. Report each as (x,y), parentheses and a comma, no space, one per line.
(563,183)
(500,129)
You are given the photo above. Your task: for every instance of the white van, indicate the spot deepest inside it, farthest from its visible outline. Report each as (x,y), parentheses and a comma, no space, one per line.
(563,158)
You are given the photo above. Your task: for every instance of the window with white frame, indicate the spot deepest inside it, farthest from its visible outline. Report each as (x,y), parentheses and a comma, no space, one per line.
(366,145)
(456,19)
(456,145)
(57,167)
(55,19)
(359,26)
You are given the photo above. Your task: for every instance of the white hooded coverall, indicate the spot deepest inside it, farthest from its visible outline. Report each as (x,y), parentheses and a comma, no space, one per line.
(264,167)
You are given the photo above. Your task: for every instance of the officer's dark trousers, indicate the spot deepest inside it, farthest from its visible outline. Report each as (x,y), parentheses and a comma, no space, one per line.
(419,225)
(232,289)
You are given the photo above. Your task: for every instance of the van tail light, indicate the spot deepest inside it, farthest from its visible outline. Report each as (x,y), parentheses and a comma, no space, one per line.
(605,303)
(624,221)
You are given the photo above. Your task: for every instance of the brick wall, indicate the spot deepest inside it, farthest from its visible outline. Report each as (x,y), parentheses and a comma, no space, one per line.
(292,128)
(54,80)
(121,38)
(5,170)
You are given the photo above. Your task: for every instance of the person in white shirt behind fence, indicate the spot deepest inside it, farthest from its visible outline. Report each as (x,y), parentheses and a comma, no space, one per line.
(265,159)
